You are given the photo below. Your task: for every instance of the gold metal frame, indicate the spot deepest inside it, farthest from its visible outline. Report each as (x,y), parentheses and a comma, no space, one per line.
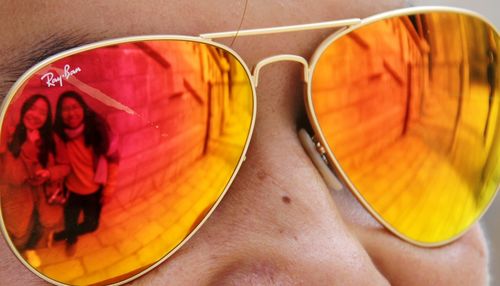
(20,82)
(334,172)
(346,26)
(340,174)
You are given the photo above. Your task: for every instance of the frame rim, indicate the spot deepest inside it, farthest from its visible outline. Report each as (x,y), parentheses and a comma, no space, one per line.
(308,103)
(335,164)
(12,92)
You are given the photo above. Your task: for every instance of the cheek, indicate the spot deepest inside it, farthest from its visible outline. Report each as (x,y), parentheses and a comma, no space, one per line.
(79,116)
(33,119)
(65,117)
(27,124)
(42,117)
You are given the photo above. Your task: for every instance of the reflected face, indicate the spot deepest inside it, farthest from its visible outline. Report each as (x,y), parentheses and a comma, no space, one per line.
(179,151)
(72,113)
(36,115)
(278,223)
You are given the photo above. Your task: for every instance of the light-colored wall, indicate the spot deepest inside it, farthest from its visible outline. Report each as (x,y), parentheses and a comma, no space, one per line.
(491,221)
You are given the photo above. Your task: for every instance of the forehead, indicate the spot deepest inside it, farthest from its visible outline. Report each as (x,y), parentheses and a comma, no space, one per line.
(70,102)
(116,18)
(39,104)
(33,31)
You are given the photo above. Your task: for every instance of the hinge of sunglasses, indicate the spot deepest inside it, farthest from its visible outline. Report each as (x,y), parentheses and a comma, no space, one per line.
(317,154)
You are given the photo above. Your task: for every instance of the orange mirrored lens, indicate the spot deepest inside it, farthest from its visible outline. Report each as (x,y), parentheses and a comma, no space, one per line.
(140,140)
(409,106)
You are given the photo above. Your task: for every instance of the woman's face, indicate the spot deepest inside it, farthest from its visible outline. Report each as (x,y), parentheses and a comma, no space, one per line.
(72,113)
(36,116)
(278,223)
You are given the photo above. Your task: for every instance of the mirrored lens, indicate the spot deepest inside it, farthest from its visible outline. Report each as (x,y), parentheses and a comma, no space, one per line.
(112,156)
(409,106)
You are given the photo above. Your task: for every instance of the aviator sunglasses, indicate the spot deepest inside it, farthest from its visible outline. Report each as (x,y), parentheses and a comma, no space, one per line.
(403,105)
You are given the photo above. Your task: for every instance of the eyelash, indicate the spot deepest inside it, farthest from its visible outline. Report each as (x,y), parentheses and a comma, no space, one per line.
(15,66)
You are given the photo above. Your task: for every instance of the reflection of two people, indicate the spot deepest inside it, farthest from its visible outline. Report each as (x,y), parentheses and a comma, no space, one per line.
(78,150)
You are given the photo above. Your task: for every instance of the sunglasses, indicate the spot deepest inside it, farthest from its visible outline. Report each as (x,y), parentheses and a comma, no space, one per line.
(403,106)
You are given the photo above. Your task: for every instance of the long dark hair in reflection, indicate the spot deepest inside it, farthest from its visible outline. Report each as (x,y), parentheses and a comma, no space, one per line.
(96,132)
(47,144)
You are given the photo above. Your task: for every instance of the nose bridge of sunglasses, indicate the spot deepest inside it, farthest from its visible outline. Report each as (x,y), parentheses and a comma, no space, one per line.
(281,29)
(280,58)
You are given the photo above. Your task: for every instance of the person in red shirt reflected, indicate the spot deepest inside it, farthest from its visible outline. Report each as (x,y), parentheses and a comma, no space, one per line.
(93,156)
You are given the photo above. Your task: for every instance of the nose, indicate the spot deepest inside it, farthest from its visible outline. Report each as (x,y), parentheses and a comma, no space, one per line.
(280,225)
(277,224)
(279,215)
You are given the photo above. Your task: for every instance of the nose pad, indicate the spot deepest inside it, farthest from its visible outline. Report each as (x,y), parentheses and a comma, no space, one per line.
(320,161)
(311,148)
(280,58)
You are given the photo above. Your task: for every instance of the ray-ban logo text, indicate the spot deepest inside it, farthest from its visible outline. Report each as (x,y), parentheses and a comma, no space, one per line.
(52,79)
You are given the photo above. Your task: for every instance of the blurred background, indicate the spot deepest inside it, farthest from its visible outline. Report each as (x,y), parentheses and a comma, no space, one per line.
(488,8)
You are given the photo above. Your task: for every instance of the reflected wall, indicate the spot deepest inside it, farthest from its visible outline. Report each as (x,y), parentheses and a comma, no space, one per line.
(409,107)
(182,112)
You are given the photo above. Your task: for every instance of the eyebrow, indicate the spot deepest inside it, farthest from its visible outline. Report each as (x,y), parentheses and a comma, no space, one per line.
(12,68)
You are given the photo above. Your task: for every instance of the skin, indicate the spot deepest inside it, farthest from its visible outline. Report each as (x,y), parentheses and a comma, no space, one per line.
(72,113)
(34,119)
(278,224)
(36,116)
